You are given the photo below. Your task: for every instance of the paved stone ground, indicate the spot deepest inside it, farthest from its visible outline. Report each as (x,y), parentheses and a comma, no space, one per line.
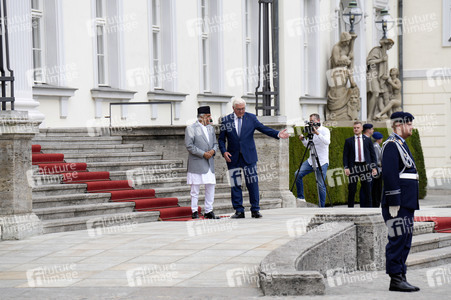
(183,260)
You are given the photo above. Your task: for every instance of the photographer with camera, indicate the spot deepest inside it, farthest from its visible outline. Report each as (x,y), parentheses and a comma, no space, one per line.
(320,136)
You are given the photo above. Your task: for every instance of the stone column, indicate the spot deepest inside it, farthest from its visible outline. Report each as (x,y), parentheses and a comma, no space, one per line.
(17,221)
(21,59)
(273,163)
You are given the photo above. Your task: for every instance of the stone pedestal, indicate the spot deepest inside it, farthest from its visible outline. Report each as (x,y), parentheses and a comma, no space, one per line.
(16,218)
(371,234)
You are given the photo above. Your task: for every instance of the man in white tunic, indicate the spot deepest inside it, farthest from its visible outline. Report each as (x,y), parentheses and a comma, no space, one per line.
(200,141)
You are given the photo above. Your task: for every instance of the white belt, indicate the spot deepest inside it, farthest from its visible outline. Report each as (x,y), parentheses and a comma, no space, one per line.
(409,176)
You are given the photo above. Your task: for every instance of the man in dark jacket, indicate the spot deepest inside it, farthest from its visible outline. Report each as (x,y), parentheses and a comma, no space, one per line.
(359,161)
(400,200)
(237,145)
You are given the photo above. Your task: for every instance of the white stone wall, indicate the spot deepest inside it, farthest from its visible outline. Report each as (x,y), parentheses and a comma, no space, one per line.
(427,86)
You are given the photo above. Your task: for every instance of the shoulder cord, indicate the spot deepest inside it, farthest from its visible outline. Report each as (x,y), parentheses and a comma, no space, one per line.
(406,159)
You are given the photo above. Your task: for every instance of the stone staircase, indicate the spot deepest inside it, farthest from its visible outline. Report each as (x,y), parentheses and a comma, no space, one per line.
(66,207)
(429,248)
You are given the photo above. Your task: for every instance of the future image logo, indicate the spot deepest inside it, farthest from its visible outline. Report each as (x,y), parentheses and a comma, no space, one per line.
(438,276)
(438,76)
(207,226)
(51,275)
(336,177)
(340,276)
(248,276)
(151,275)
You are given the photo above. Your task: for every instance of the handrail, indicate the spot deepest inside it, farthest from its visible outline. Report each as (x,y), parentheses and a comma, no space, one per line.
(138,103)
(5,56)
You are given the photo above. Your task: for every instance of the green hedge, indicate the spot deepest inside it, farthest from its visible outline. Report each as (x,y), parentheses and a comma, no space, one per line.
(338,191)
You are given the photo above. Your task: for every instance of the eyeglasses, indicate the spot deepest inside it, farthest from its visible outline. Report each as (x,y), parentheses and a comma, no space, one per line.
(240,109)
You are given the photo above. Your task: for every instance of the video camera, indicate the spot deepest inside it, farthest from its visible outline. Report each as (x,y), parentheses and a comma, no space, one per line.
(310,128)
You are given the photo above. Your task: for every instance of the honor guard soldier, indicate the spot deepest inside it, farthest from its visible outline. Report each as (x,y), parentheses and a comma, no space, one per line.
(400,199)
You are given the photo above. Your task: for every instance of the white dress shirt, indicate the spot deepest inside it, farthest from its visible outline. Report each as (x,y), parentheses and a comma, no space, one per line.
(236,122)
(357,148)
(321,142)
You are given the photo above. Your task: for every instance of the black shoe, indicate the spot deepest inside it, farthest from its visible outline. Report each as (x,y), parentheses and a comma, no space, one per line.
(405,280)
(398,284)
(238,215)
(210,215)
(256,214)
(195,215)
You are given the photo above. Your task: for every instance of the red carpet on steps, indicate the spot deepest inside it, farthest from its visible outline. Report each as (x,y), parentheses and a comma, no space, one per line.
(155,203)
(50,158)
(102,186)
(99,182)
(60,168)
(442,224)
(85,177)
(35,149)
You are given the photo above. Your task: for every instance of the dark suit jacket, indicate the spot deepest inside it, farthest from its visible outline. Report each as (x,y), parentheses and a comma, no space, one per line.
(243,144)
(397,191)
(349,152)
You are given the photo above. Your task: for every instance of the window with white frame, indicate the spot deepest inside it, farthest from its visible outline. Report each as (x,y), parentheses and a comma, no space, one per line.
(310,40)
(101,43)
(37,14)
(446,23)
(210,45)
(251,44)
(205,46)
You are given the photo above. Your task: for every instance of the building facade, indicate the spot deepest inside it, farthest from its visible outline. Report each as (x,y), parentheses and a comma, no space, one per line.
(73,58)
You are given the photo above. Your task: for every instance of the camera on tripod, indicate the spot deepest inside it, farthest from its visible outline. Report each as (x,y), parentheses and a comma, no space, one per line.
(309,128)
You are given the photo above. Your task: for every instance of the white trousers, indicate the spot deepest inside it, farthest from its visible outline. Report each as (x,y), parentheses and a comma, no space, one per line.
(209,197)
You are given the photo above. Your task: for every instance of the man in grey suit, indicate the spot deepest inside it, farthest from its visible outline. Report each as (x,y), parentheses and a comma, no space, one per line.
(200,141)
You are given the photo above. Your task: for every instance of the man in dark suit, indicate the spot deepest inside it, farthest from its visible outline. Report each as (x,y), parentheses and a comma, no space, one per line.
(399,200)
(237,129)
(359,161)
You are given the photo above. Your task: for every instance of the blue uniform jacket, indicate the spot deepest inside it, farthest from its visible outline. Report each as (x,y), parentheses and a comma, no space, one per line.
(245,142)
(398,192)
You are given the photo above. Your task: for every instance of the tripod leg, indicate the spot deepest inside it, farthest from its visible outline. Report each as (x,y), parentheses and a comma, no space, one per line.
(299,169)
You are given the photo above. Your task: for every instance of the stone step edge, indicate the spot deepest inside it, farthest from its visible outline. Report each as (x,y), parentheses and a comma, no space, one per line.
(83,146)
(75,137)
(430,257)
(83,207)
(430,238)
(420,228)
(137,162)
(112,154)
(84,219)
(439,192)
(178,170)
(75,196)
(59,187)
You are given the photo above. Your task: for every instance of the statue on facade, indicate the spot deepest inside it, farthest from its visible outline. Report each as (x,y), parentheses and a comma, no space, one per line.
(394,91)
(377,77)
(354,103)
(340,80)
